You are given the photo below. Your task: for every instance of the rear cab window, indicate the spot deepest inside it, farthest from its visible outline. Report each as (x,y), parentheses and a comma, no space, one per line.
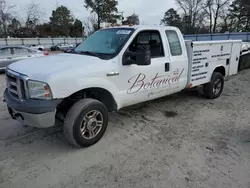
(174,42)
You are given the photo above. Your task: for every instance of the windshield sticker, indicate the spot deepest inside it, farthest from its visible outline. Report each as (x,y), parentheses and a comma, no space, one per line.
(123,32)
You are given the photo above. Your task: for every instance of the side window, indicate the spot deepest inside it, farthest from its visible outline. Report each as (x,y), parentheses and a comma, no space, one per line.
(151,38)
(143,38)
(5,52)
(156,36)
(21,51)
(174,43)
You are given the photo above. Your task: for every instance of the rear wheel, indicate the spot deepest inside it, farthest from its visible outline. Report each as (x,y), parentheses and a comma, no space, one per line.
(214,89)
(85,122)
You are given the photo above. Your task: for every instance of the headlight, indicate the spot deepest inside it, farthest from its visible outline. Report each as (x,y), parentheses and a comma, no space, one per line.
(39,90)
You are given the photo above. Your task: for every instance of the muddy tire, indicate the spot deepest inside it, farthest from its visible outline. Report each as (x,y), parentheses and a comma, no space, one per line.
(85,123)
(214,89)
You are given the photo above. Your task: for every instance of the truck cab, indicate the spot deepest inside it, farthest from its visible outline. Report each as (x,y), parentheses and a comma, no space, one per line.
(138,79)
(113,68)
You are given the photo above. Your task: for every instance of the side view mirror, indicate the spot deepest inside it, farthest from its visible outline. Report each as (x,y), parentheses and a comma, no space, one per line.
(141,57)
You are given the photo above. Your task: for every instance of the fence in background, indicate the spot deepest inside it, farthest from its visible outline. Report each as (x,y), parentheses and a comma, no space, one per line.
(46,42)
(244,36)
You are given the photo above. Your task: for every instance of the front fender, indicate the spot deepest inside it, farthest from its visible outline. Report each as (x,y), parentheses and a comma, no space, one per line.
(65,88)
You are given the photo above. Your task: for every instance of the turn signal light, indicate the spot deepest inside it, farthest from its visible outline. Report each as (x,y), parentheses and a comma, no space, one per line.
(190,86)
(45,53)
(47,95)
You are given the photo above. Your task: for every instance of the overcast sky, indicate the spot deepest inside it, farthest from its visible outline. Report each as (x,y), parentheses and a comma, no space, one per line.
(150,11)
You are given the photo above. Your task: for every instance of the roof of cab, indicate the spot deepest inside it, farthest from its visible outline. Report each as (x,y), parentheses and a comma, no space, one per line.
(142,27)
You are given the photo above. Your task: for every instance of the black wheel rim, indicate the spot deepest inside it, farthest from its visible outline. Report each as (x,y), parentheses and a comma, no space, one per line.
(217,86)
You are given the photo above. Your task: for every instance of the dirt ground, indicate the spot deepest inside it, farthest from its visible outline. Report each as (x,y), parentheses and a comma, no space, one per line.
(182,140)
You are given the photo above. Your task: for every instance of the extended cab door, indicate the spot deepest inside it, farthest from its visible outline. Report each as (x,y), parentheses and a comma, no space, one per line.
(178,58)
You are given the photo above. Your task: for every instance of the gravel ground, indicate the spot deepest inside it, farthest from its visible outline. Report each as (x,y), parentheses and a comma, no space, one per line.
(182,140)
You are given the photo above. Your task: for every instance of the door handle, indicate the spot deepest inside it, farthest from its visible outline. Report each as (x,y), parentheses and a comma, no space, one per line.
(9,57)
(113,74)
(166,67)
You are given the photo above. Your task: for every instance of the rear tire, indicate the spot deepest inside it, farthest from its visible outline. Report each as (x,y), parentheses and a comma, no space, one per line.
(214,89)
(85,123)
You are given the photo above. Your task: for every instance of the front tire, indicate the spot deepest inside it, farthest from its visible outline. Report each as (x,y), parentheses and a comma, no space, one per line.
(214,89)
(85,123)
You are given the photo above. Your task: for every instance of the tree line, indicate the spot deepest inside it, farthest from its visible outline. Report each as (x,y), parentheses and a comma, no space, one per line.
(209,16)
(191,16)
(61,22)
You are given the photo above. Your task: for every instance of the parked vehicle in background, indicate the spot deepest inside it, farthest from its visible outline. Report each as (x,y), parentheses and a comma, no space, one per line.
(112,69)
(61,46)
(71,49)
(11,54)
(37,47)
(245,48)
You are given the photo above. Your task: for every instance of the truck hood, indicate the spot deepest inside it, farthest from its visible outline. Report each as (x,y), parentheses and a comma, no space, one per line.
(43,67)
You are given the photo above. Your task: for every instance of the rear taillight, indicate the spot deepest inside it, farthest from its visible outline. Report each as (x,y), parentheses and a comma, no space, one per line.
(45,53)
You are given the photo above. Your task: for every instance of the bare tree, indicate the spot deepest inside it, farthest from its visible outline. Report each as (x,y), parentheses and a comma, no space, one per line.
(192,10)
(215,11)
(208,8)
(201,26)
(226,24)
(218,8)
(90,24)
(5,17)
(33,14)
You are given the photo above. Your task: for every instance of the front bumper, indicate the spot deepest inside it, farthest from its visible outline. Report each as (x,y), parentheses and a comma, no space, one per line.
(34,113)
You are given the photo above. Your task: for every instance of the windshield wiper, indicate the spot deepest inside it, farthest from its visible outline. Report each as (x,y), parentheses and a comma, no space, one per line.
(89,53)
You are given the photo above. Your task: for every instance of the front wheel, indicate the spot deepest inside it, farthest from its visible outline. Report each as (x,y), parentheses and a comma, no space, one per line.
(85,123)
(214,89)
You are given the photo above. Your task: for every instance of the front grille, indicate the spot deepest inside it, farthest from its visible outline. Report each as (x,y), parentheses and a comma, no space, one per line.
(16,85)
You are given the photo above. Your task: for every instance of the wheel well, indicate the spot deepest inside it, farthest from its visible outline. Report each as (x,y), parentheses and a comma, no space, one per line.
(221,70)
(95,93)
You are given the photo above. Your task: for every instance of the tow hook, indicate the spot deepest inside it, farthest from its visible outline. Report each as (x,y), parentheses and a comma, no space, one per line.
(18,116)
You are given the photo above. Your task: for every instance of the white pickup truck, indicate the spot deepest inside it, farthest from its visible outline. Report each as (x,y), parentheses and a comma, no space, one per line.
(114,68)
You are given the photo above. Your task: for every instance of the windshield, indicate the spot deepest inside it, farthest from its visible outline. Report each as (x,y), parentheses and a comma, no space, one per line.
(106,41)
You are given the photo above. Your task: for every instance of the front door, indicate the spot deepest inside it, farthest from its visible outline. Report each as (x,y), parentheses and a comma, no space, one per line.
(143,83)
